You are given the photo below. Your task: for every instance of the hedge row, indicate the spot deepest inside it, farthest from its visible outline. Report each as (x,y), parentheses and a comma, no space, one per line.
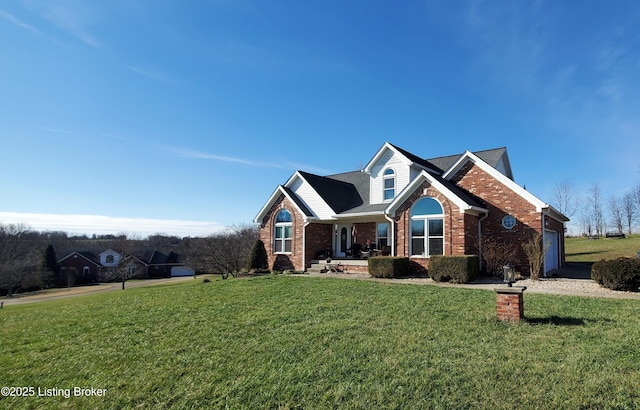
(617,274)
(388,267)
(456,269)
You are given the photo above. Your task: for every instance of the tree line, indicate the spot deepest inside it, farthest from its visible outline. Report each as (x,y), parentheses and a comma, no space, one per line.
(29,259)
(597,216)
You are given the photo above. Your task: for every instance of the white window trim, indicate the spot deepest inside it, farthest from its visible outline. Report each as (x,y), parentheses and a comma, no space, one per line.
(425,219)
(392,177)
(378,231)
(279,243)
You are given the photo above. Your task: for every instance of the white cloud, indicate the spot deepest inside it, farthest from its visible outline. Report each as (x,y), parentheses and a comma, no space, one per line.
(17,22)
(188,153)
(100,224)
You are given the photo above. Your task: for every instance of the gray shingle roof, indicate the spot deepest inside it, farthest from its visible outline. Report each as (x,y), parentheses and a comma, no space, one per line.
(339,195)
(348,193)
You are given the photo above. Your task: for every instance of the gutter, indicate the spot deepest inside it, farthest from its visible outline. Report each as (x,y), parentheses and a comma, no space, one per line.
(391,234)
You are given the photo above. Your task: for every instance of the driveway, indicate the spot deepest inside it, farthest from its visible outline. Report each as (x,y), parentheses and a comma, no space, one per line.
(89,289)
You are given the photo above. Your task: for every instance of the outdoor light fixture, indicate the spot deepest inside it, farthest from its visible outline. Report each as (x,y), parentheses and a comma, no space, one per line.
(509,274)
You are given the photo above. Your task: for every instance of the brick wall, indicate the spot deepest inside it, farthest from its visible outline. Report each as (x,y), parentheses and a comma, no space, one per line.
(283,261)
(501,201)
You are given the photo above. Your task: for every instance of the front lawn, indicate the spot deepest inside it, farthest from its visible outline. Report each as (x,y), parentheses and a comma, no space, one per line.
(584,249)
(296,342)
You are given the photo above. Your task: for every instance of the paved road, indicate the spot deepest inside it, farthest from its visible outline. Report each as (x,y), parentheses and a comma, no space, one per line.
(91,289)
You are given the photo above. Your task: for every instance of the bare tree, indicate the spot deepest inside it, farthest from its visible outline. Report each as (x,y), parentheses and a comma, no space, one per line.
(594,208)
(224,252)
(565,198)
(635,194)
(628,210)
(616,213)
(19,256)
(536,250)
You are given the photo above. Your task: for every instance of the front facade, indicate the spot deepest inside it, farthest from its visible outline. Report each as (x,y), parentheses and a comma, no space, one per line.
(407,206)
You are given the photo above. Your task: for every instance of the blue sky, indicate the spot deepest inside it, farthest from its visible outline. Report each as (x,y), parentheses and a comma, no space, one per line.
(182,117)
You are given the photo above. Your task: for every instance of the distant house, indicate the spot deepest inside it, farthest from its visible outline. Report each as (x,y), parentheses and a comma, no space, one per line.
(407,206)
(106,265)
(84,265)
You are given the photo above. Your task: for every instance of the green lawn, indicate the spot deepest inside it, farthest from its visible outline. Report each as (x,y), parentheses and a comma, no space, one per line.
(294,342)
(593,250)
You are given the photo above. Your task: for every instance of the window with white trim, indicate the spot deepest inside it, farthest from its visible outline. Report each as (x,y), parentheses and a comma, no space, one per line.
(383,235)
(389,184)
(283,232)
(427,228)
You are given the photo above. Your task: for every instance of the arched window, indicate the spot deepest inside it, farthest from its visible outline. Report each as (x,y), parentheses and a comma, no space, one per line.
(283,232)
(427,228)
(389,181)
(109,259)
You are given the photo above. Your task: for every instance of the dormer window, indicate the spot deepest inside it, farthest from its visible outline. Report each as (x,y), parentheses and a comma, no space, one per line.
(389,183)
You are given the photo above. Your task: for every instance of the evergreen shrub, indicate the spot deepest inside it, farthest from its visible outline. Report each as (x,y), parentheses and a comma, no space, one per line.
(617,274)
(456,269)
(388,266)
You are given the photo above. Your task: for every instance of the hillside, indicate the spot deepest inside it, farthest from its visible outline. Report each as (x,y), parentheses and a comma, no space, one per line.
(592,250)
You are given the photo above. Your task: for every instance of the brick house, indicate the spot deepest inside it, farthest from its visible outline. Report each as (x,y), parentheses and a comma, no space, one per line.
(92,266)
(407,206)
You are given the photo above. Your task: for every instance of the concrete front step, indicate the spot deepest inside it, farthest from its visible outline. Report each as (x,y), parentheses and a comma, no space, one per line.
(339,265)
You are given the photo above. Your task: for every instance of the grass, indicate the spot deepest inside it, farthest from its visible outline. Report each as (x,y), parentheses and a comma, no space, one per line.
(290,342)
(592,250)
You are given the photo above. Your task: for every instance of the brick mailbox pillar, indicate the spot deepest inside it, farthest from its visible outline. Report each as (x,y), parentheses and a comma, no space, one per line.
(510,303)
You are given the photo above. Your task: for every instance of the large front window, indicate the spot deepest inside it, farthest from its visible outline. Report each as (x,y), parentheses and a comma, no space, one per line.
(427,228)
(283,232)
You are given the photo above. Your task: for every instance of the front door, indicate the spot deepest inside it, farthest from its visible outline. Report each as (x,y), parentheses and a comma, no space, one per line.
(343,240)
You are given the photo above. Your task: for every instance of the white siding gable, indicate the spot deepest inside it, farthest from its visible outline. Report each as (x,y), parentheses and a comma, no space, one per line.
(112,262)
(401,168)
(310,197)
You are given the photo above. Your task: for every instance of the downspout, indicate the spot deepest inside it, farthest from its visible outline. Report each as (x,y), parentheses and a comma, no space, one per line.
(486,215)
(304,245)
(391,234)
(544,261)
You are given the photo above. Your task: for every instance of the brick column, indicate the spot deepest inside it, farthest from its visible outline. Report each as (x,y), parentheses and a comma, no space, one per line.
(510,304)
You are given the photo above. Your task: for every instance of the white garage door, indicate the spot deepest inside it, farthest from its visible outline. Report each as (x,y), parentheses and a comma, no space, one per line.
(552,256)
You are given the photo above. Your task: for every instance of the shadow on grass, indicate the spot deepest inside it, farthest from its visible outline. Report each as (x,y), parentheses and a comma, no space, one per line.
(557,321)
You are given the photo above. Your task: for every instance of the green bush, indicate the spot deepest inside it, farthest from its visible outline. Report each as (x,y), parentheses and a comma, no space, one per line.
(257,260)
(456,269)
(388,266)
(617,274)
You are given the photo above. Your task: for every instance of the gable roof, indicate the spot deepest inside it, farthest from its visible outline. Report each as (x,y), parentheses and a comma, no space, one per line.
(490,156)
(87,255)
(348,194)
(338,194)
(463,200)
(288,193)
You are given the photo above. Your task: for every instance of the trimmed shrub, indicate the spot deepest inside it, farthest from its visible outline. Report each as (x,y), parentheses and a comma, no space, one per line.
(617,274)
(388,266)
(456,269)
(257,259)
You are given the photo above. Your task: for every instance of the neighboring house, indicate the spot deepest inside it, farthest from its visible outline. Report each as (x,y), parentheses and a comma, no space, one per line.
(408,206)
(84,264)
(104,266)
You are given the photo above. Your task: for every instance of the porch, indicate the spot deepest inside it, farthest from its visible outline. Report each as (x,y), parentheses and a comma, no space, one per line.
(344,265)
